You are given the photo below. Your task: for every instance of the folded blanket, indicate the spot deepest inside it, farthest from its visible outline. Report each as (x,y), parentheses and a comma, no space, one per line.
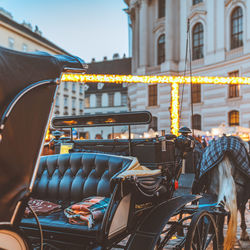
(139,170)
(88,211)
(41,207)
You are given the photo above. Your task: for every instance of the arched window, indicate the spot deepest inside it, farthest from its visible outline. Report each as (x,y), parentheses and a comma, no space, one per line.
(161,49)
(153,124)
(237,28)
(196,122)
(117,99)
(92,101)
(234,118)
(198,41)
(161,8)
(105,99)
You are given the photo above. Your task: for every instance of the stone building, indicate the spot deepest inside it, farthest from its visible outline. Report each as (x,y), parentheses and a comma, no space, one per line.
(219,37)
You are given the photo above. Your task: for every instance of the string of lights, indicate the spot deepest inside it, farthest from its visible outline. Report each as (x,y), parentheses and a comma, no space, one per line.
(173,80)
(155,79)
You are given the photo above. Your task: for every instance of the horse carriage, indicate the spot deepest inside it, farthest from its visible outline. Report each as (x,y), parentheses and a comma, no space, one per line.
(140,211)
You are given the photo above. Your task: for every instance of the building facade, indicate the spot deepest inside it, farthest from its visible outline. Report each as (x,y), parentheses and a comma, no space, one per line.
(23,37)
(219,45)
(107,98)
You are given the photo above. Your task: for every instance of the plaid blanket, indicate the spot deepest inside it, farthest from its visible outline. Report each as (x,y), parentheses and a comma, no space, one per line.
(215,152)
(88,211)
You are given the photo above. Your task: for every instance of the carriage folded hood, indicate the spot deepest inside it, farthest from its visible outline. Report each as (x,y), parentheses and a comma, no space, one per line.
(24,130)
(18,70)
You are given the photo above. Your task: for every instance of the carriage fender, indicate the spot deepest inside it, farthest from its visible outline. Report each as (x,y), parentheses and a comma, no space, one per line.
(149,230)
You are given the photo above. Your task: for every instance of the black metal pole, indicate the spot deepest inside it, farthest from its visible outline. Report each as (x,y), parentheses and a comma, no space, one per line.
(190,72)
(129,141)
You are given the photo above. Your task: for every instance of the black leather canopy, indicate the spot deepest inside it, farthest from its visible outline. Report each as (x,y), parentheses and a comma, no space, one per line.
(19,70)
(24,129)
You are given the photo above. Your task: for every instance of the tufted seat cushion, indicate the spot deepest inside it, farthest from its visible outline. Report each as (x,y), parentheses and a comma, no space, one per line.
(69,178)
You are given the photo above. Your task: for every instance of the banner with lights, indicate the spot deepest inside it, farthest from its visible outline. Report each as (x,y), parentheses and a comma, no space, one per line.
(173,80)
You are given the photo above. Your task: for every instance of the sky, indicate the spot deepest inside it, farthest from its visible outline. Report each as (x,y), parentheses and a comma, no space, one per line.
(86,28)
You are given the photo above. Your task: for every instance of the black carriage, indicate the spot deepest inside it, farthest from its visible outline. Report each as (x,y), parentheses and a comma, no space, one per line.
(141,212)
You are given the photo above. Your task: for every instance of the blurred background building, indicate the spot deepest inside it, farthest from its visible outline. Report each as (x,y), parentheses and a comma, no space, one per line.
(107,98)
(23,37)
(220,46)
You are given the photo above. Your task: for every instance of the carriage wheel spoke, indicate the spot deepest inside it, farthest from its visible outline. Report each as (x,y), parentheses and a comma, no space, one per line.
(206,231)
(199,237)
(209,241)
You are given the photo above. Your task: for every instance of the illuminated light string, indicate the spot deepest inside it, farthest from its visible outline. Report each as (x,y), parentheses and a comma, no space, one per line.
(155,79)
(173,80)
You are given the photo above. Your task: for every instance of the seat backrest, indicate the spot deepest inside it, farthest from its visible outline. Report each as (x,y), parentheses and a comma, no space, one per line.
(72,177)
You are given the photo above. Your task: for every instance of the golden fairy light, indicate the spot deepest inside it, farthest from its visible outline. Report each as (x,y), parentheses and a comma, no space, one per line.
(175,108)
(155,79)
(173,80)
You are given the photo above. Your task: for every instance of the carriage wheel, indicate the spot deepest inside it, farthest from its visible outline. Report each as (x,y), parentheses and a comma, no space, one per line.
(13,238)
(202,232)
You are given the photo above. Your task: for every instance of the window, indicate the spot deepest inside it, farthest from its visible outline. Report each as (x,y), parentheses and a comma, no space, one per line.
(117,98)
(161,49)
(111,99)
(196,93)
(196,123)
(11,43)
(92,100)
(105,99)
(237,28)
(152,95)
(161,8)
(81,89)
(153,123)
(73,87)
(25,47)
(65,101)
(65,86)
(80,104)
(57,101)
(73,103)
(233,90)
(197,1)
(87,101)
(198,42)
(233,118)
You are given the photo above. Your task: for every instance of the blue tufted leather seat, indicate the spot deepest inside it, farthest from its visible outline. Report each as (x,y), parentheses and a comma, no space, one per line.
(67,179)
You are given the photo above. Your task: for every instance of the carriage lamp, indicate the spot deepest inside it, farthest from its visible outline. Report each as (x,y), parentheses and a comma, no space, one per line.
(173,80)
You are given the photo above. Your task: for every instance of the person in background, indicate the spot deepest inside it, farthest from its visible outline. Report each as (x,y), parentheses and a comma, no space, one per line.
(98,137)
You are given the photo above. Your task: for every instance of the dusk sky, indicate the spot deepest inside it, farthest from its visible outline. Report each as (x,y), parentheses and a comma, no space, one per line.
(86,28)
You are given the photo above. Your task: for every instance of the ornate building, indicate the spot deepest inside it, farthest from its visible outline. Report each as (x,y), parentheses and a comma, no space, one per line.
(219,46)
